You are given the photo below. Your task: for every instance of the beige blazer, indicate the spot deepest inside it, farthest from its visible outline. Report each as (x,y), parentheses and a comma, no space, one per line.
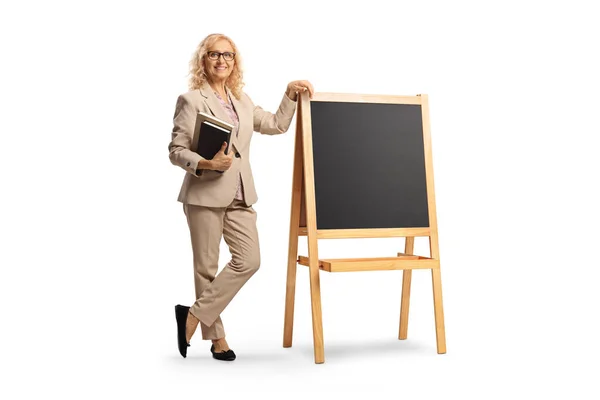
(210,188)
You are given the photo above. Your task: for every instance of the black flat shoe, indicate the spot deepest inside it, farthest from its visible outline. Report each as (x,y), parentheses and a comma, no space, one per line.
(228,355)
(181,313)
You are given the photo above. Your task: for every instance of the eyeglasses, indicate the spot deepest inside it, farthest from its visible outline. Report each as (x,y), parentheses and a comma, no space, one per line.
(227,56)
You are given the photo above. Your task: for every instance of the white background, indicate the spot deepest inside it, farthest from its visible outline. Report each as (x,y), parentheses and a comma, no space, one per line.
(95,250)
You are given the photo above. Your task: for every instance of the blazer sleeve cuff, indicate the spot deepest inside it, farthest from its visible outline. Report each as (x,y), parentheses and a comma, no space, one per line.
(191,164)
(285,113)
(287,105)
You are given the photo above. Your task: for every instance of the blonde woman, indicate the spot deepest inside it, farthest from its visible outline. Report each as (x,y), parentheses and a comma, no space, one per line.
(220,204)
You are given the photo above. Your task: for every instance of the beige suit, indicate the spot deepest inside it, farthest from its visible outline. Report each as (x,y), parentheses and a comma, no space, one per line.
(209,204)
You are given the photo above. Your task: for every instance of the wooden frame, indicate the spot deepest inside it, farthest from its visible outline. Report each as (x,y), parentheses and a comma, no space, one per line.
(303,223)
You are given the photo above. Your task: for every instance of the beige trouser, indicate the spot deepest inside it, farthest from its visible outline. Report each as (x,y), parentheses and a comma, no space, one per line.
(237,224)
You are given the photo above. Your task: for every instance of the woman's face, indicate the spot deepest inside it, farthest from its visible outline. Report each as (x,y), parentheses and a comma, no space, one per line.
(219,69)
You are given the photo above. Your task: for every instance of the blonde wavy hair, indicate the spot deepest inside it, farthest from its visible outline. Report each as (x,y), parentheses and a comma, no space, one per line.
(197,69)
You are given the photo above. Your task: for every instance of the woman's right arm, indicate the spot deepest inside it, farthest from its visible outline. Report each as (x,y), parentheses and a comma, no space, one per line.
(181,139)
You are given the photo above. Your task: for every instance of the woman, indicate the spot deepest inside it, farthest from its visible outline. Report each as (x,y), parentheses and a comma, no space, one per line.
(220,204)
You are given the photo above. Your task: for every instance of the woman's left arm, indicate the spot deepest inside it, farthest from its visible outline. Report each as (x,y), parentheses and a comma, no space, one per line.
(273,124)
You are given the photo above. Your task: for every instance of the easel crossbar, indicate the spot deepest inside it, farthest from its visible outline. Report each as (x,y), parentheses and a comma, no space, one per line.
(401,262)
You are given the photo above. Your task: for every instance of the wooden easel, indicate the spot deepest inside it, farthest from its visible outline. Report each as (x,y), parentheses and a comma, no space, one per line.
(303,223)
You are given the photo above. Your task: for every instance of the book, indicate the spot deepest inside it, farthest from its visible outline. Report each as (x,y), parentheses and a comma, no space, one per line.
(209,134)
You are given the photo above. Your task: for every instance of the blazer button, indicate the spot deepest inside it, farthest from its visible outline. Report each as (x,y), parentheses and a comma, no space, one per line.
(237,155)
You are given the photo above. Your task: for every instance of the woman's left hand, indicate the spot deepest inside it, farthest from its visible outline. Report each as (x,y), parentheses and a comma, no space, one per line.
(299,86)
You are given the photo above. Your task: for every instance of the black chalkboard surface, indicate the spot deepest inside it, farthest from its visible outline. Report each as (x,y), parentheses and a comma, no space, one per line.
(369,165)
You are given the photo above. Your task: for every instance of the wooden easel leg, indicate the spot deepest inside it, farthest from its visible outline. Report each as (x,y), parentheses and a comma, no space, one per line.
(438,309)
(405,302)
(317,319)
(315,284)
(297,194)
(311,223)
(290,291)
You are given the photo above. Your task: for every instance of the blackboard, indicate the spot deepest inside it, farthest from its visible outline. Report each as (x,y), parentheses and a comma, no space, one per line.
(369,165)
(362,169)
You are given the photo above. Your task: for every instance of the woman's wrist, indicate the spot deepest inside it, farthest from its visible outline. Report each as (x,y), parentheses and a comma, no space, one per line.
(204,164)
(291,95)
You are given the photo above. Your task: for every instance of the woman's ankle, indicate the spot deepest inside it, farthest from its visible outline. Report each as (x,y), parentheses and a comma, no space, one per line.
(220,344)
(191,324)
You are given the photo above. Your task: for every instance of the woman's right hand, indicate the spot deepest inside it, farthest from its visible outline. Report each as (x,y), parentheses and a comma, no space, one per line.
(222,161)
